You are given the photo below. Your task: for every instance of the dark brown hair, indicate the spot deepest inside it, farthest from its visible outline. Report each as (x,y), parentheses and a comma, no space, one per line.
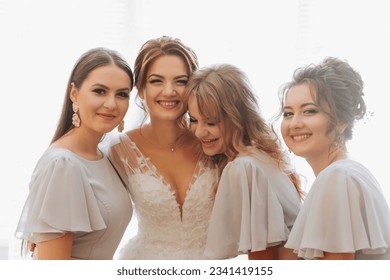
(88,62)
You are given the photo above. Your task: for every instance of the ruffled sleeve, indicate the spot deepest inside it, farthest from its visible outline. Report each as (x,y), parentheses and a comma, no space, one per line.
(247,213)
(61,199)
(344,212)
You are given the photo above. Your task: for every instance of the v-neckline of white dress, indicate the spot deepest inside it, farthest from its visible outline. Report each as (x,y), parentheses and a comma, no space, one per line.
(143,160)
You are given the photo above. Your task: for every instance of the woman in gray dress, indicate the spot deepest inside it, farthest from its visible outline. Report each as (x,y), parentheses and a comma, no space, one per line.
(345,214)
(258,196)
(77,207)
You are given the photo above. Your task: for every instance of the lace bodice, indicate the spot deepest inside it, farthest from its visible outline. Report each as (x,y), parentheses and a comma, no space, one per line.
(165,231)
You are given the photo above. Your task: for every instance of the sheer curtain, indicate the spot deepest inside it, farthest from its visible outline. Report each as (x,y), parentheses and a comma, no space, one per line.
(42,39)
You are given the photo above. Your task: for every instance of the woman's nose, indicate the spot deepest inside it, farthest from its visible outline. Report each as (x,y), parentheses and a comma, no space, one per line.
(200,131)
(110,102)
(296,121)
(169,89)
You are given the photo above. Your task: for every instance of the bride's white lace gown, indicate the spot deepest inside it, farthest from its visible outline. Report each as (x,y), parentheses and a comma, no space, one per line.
(164,230)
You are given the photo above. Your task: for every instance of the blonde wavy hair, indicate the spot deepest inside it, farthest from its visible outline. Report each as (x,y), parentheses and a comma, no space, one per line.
(224,91)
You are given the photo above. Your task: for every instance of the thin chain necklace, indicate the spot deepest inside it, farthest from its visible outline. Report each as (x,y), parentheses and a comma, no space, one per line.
(171,148)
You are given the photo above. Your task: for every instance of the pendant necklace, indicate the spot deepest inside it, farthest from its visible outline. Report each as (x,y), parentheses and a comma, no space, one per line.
(171,148)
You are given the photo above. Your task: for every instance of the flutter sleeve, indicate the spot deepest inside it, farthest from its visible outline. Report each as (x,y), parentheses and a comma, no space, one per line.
(247,214)
(343,213)
(60,200)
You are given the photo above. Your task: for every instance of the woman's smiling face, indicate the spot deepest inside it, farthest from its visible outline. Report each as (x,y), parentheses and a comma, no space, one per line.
(165,83)
(305,126)
(207,130)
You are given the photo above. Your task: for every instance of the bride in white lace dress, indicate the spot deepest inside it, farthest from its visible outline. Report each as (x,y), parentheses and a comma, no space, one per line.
(171,183)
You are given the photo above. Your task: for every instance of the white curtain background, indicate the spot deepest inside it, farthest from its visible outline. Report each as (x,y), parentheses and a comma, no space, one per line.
(42,39)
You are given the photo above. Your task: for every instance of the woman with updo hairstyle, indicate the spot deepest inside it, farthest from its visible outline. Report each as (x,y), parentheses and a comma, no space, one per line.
(345,214)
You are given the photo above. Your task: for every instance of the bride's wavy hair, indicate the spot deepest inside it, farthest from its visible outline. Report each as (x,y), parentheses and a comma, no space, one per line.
(149,53)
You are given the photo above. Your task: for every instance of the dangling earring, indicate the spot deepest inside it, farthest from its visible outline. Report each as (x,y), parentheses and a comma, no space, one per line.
(121,126)
(75,117)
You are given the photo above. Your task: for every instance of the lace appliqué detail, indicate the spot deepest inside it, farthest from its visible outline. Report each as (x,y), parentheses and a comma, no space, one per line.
(164,232)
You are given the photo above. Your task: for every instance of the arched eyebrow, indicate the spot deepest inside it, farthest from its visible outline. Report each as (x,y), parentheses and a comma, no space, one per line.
(107,88)
(303,105)
(162,77)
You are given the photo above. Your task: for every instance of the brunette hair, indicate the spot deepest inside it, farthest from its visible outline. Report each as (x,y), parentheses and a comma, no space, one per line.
(88,62)
(336,87)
